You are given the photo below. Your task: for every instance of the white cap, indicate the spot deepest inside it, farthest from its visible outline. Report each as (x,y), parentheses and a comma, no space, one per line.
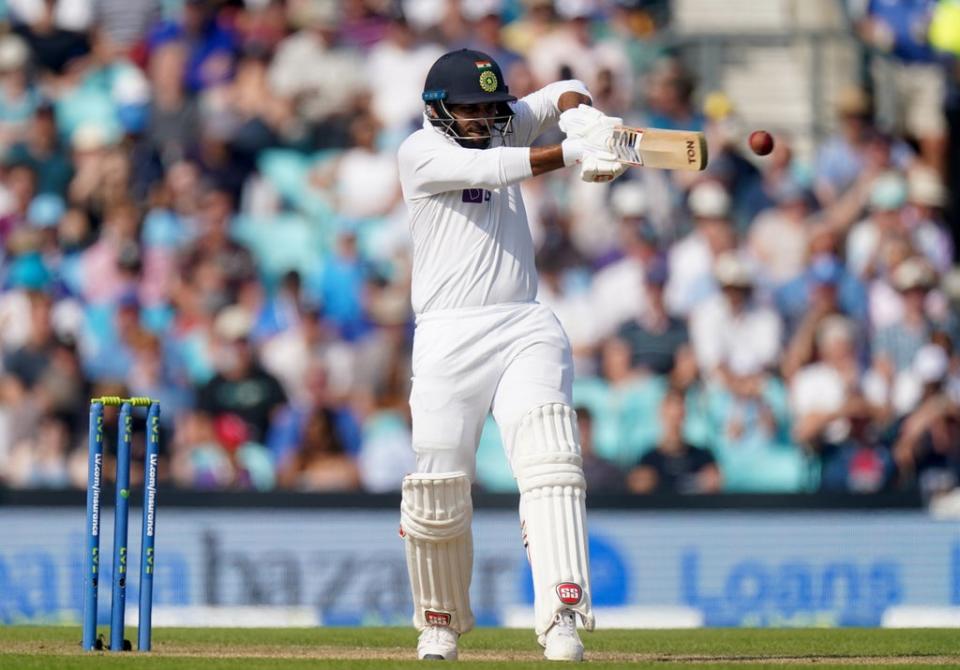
(743,361)
(131,88)
(914,272)
(89,137)
(474,10)
(835,328)
(14,52)
(930,364)
(949,284)
(924,187)
(313,13)
(732,270)
(629,199)
(233,323)
(709,200)
(575,9)
(424,14)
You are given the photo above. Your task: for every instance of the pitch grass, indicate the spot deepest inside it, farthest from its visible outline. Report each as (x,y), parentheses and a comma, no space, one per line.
(55,648)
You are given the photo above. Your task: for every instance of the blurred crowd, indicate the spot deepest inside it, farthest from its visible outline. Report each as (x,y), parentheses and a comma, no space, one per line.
(199,203)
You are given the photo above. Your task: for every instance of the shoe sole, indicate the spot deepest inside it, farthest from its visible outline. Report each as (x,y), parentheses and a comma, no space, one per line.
(439,657)
(576,658)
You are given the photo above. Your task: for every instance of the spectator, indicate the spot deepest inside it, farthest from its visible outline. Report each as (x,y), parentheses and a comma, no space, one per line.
(313,338)
(536,22)
(675,466)
(396,70)
(485,28)
(339,287)
(601,475)
(321,463)
(211,48)
(40,461)
(173,127)
(862,461)
(825,276)
(748,420)
(573,305)
(18,97)
(570,52)
(826,285)
(924,219)
(780,236)
(110,266)
(895,346)
(21,187)
(927,450)
(899,29)
(783,176)
(363,179)
(887,198)
(221,263)
(123,23)
(692,258)
(826,393)
(312,70)
(241,387)
(617,293)
(655,339)
(670,98)
(54,31)
(29,362)
(42,152)
(727,322)
(841,158)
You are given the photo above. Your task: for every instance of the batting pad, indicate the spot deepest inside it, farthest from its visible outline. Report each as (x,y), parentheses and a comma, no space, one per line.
(435,516)
(549,470)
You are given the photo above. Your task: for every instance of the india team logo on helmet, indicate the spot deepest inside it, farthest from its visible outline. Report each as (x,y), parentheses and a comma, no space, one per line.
(488,81)
(569,593)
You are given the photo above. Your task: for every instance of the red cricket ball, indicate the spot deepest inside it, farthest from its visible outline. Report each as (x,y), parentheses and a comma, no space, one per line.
(761,142)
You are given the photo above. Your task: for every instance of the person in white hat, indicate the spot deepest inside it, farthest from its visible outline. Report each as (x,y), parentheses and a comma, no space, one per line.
(927,450)
(887,196)
(17,97)
(691,259)
(727,323)
(617,292)
(926,201)
(896,345)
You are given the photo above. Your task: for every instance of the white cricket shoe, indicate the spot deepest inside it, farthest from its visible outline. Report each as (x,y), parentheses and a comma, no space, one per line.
(561,641)
(437,643)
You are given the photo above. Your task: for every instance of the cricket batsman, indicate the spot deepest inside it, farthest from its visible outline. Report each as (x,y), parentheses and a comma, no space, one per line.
(483,343)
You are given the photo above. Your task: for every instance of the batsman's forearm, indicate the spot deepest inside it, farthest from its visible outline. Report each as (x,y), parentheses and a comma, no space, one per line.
(572,99)
(546,159)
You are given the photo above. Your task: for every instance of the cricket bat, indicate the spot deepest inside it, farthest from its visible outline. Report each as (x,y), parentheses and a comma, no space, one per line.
(658,148)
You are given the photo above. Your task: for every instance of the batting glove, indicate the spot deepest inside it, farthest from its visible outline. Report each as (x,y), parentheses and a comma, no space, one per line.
(600,166)
(590,125)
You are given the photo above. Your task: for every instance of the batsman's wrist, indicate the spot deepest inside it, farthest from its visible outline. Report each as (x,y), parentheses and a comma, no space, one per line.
(573,148)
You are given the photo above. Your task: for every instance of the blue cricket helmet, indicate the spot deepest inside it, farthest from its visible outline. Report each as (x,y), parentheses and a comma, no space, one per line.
(466,77)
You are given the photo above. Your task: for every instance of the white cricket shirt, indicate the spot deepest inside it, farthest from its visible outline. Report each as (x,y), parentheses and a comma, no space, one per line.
(471,242)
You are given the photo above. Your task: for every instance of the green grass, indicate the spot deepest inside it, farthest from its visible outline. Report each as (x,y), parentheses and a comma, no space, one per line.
(53,648)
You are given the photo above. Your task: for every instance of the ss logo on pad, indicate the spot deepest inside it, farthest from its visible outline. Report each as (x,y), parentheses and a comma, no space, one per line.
(569,593)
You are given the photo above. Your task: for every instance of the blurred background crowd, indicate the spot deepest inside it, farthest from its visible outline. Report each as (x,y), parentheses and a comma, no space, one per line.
(199,203)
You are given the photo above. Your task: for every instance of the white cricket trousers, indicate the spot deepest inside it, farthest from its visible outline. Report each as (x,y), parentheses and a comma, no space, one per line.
(509,358)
